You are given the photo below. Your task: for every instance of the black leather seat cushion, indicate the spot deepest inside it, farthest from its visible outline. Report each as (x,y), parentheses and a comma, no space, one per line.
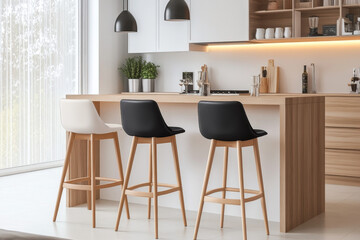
(260,132)
(177,130)
(226,121)
(142,118)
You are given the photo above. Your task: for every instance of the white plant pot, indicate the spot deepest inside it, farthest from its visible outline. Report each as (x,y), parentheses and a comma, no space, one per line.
(148,85)
(134,85)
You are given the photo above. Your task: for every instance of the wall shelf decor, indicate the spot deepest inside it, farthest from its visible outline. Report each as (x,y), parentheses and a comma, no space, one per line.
(296,14)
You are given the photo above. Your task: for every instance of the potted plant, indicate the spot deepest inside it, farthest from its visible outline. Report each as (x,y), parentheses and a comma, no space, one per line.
(132,70)
(148,74)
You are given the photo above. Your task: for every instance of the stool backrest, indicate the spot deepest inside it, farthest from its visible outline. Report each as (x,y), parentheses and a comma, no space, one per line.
(142,118)
(225,121)
(80,116)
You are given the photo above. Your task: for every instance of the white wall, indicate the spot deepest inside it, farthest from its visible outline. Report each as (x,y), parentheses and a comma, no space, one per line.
(93,47)
(113,48)
(106,48)
(231,67)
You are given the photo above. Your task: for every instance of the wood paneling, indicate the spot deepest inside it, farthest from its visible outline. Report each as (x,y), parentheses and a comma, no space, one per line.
(342,138)
(302,162)
(342,112)
(342,180)
(342,162)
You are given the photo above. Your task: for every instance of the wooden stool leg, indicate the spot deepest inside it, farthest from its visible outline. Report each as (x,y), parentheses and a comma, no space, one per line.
(226,154)
(93,181)
(88,193)
(241,184)
(65,168)
(121,172)
(206,181)
(126,181)
(154,161)
(150,180)
(261,184)
(178,176)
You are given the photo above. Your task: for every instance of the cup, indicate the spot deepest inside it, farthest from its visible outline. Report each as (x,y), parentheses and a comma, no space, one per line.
(287,33)
(279,32)
(269,33)
(260,33)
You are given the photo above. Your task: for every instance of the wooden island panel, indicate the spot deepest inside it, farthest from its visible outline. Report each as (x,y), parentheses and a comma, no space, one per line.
(302,148)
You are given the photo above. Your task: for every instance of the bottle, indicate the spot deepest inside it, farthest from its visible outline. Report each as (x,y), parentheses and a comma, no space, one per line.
(305,78)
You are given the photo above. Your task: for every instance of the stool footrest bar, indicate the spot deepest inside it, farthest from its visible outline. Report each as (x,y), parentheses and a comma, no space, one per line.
(74,183)
(208,198)
(130,190)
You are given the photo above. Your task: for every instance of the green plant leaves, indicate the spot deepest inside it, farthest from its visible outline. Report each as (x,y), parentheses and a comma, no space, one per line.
(136,67)
(132,67)
(149,70)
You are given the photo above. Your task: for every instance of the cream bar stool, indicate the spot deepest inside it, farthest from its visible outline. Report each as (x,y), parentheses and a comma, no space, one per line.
(81,120)
(142,119)
(227,125)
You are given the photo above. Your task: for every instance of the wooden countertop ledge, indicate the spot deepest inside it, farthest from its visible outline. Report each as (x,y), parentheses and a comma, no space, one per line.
(266,99)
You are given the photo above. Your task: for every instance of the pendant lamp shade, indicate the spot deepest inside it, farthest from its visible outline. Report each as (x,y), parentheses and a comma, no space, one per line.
(125,22)
(176,10)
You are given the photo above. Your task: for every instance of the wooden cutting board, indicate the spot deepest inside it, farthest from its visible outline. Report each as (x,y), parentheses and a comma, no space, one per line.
(273,77)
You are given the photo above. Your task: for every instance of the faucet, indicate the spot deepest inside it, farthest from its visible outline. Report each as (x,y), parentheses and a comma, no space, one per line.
(313,77)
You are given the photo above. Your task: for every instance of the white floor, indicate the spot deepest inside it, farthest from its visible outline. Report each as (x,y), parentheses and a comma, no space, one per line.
(27,203)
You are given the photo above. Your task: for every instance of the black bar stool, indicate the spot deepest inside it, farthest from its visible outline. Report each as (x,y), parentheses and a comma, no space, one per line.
(227,125)
(142,119)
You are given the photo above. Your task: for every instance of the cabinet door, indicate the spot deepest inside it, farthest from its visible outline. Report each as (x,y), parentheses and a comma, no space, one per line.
(173,35)
(145,39)
(219,20)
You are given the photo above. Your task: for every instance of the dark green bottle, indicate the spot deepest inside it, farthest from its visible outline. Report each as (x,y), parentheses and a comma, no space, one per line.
(305,81)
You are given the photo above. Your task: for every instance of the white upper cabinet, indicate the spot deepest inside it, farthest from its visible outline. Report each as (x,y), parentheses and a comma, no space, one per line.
(145,14)
(219,21)
(154,33)
(173,35)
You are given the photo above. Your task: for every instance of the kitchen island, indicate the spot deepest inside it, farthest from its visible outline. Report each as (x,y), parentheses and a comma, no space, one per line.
(301,147)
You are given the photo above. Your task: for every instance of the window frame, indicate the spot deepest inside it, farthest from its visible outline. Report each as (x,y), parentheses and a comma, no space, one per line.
(82,89)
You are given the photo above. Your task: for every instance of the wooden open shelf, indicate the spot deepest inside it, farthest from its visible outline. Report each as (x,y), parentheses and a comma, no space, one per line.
(308,39)
(261,12)
(290,15)
(317,8)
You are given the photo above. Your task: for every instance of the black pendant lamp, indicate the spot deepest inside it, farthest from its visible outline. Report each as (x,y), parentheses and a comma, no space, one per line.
(176,10)
(125,22)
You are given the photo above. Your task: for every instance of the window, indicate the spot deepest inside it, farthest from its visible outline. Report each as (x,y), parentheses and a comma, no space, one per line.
(39,64)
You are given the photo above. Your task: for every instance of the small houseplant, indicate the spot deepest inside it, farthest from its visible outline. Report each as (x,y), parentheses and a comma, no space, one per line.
(132,70)
(148,74)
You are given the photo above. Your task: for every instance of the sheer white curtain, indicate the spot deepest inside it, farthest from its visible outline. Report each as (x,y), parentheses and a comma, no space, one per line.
(39,52)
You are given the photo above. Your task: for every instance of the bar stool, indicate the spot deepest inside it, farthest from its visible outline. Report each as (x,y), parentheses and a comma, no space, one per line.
(227,125)
(142,119)
(81,120)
